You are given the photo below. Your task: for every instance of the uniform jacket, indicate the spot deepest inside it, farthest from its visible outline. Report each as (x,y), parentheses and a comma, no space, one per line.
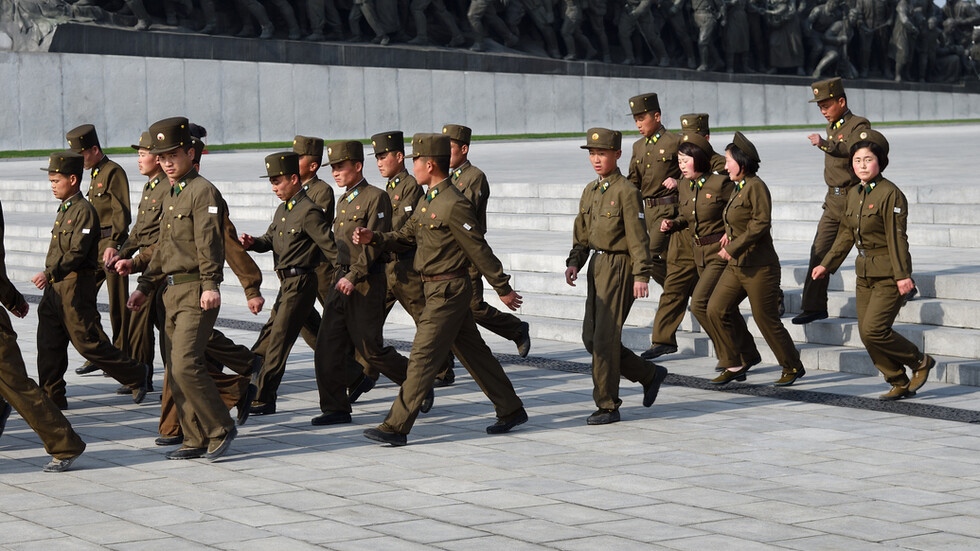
(74,240)
(701,210)
(473,184)
(654,160)
(108,192)
(748,224)
(142,241)
(841,135)
(10,297)
(360,206)
(321,193)
(297,235)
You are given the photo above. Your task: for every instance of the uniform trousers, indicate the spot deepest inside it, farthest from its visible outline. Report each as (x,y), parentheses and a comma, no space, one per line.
(608,304)
(447,324)
(761,285)
(878,304)
(745,350)
(682,276)
(117,287)
(293,306)
(815,291)
(354,321)
(200,410)
(141,325)
(68,313)
(659,241)
(33,405)
(405,286)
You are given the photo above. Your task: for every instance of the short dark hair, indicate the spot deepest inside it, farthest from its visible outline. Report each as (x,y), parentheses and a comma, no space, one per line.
(875,148)
(441,162)
(749,166)
(702,162)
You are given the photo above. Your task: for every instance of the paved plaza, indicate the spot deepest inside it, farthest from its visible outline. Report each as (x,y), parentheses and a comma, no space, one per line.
(819,466)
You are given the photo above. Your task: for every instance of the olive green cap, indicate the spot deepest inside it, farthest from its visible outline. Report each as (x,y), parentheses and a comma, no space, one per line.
(644,103)
(393,140)
(66,162)
(874,137)
(827,89)
(431,145)
(695,122)
(170,134)
(689,136)
(458,132)
(82,137)
(350,150)
(283,163)
(145,142)
(198,146)
(746,146)
(603,138)
(307,145)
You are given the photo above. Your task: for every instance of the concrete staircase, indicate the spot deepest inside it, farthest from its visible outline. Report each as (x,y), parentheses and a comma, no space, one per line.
(531,232)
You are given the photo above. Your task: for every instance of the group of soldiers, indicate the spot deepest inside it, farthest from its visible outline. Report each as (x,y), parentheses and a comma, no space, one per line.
(891,39)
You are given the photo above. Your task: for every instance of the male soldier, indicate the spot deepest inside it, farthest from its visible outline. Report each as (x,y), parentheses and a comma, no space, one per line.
(353,316)
(190,255)
(67,312)
(20,392)
(449,237)
(610,222)
(297,237)
(473,184)
(842,129)
(108,192)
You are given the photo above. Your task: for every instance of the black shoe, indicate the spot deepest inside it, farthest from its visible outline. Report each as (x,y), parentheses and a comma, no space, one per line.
(262,408)
(217,448)
(658,350)
(363,386)
(790,376)
(187,453)
(428,401)
(446,380)
(255,368)
(332,418)
(244,405)
(59,465)
(505,425)
(524,341)
(603,417)
(126,389)
(806,317)
(5,409)
(139,393)
(386,437)
(650,391)
(753,362)
(728,376)
(87,367)
(169,440)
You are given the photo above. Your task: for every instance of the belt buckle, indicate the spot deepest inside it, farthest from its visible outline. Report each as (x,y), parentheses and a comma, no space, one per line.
(862,252)
(170,280)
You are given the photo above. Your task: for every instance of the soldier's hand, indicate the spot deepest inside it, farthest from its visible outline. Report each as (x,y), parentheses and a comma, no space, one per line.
(905,285)
(815,139)
(512,300)
(345,286)
(819,272)
(723,254)
(210,300)
(666,225)
(670,183)
(20,310)
(136,301)
(109,257)
(246,240)
(362,236)
(255,305)
(571,274)
(39,280)
(641,289)
(124,266)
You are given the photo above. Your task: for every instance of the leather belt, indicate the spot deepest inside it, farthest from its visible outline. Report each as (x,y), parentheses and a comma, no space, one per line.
(878,251)
(178,279)
(292,272)
(600,251)
(106,232)
(657,201)
(462,272)
(708,239)
(376,268)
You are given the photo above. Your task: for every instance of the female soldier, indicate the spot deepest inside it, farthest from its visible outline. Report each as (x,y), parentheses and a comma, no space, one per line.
(753,267)
(702,198)
(875,220)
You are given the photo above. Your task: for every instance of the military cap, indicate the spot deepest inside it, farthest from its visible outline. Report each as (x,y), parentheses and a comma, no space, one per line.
(874,137)
(350,150)
(306,145)
(644,103)
(283,163)
(384,142)
(145,141)
(431,145)
(695,122)
(82,137)
(198,146)
(66,162)
(170,134)
(458,132)
(692,137)
(603,138)
(827,89)
(745,146)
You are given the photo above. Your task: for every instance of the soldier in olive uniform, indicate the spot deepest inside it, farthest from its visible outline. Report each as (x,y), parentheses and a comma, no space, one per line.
(190,255)
(20,392)
(753,266)
(297,237)
(875,221)
(610,222)
(842,129)
(108,192)
(449,238)
(68,312)
(353,317)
